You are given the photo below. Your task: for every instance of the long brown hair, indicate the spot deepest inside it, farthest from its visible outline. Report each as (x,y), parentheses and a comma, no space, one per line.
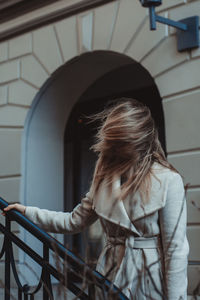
(127,145)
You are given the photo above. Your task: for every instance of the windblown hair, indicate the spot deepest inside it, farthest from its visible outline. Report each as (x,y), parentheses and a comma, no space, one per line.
(127,146)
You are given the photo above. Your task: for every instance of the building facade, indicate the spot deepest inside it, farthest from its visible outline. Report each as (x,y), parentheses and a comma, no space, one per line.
(34,112)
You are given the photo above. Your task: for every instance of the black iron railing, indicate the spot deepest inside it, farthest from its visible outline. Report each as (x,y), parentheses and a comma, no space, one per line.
(78,272)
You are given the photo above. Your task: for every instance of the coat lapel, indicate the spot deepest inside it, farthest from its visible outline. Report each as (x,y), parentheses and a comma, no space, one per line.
(124,213)
(108,206)
(137,209)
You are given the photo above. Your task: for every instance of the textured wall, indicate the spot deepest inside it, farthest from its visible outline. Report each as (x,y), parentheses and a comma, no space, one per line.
(123,26)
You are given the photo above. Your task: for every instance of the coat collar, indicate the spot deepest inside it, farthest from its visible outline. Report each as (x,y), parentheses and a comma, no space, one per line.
(124,213)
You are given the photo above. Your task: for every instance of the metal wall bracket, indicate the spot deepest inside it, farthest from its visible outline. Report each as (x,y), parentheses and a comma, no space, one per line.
(189,39)
(187,29)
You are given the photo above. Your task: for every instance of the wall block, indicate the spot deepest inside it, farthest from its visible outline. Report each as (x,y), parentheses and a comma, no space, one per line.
(184,11)
(156,62)
(32,71)
(168,4)
(10,187)
(182,121)
(21,93)
(13,116)
(10,156)
(130,16)
(188,164)
(85,31)
(3,94)
(20,46)
(104,20)
(145,41)
(193,206)
(196,52)
(3,51)
(67,35)
(46,48)
(181,78)
(9,71)
(192,233)
(193,279)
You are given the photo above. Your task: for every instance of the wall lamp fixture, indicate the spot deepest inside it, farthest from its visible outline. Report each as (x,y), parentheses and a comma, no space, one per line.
(188,29)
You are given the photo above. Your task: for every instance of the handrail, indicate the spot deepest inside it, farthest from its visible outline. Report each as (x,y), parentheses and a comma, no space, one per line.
(77,270)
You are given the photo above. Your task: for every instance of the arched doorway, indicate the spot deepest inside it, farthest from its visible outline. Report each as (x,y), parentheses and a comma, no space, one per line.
(57,157)
(79,135)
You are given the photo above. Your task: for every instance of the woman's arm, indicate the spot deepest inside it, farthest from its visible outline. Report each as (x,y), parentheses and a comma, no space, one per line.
(173,222)
(82,216)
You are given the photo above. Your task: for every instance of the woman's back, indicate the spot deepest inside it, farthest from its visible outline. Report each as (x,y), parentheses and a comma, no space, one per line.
(146,244)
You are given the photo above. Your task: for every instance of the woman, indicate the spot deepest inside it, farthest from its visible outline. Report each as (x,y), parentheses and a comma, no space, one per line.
(140,200)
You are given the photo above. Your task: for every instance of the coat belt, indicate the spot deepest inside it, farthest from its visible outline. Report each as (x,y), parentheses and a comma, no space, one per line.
(136,242)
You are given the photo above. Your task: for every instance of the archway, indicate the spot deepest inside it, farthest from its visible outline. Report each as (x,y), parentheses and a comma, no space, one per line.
(79,159)
(92,78)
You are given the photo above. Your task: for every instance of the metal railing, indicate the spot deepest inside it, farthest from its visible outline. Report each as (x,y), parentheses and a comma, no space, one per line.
(78,272)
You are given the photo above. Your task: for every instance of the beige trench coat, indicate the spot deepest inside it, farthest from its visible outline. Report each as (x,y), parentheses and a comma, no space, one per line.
(147,249)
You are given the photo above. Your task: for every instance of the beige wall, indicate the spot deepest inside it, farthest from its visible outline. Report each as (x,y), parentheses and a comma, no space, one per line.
(123,26)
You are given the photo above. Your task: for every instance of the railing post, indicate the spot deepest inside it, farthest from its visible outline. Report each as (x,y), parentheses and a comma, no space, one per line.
(47,288)
(7,262)
(91,291)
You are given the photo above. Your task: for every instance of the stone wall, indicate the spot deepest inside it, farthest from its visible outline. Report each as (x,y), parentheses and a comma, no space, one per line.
(123,26)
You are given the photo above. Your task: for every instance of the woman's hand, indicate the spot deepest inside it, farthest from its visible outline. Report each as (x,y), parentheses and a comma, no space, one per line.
(21,208)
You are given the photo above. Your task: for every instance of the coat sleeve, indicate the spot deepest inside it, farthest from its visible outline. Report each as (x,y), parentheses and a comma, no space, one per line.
(82,216)
(173,221)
